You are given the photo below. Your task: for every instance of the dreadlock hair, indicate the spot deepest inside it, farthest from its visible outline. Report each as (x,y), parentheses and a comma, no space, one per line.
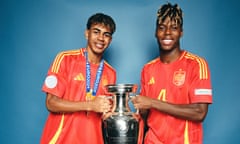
(174,12)
(100,18)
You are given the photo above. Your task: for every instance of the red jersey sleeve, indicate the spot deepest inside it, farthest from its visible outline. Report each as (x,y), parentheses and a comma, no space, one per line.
(144,89)
(200,88)
(55,81)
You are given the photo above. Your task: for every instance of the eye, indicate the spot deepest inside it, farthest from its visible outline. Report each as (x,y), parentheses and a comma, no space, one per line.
(174,27)
(108,35)
(161,27)
(95,31)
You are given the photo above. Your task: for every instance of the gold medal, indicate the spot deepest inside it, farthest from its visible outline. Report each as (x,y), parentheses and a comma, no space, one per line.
(89,96)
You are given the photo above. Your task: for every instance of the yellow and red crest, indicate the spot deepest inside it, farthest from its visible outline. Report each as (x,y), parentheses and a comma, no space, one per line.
(179,77)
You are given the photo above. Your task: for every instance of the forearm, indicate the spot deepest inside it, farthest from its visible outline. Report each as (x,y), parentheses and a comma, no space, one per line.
(57,105)
(193,112)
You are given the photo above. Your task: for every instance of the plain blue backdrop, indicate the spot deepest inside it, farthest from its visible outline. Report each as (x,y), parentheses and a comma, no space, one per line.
(32,32)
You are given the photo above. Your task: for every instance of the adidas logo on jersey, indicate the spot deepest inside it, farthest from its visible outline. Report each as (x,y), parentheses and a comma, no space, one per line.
(151,81)
(79,77)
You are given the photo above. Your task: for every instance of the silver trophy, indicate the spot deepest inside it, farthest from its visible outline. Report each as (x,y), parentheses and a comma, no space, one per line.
(122,126)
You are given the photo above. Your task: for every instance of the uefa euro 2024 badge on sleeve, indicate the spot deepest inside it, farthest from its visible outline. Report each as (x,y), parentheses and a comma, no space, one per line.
(51,81)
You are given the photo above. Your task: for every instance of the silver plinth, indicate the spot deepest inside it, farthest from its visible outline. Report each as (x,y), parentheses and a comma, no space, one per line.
(122,126)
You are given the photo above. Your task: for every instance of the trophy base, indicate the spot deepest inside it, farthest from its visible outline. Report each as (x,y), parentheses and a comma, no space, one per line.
(120,130)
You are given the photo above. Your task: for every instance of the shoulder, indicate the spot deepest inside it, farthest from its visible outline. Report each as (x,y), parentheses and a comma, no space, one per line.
(109,67)
(69,54)
(65,57)
(198,63)
(193,58)
(151,63)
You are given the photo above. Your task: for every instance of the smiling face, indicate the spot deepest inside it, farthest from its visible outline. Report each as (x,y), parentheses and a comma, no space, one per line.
(169,27)
(168,34)
(99,37)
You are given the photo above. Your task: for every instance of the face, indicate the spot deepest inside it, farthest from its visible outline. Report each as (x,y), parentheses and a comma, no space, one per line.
(99,37)
(168,34)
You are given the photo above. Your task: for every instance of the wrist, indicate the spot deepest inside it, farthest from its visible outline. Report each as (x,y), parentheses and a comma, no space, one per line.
(151,103)
(88,106)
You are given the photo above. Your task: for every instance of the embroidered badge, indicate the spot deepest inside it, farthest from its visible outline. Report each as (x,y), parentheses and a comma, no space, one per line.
(179,77)
(105,82)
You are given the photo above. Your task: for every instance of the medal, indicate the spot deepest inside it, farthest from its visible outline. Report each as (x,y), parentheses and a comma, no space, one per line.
(89,96)
(91,93)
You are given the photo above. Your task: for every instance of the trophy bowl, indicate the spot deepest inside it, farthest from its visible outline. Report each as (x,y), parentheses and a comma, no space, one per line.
(123,125)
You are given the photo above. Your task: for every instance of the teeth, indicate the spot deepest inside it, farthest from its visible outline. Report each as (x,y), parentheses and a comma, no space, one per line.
(99,45)
(167,41)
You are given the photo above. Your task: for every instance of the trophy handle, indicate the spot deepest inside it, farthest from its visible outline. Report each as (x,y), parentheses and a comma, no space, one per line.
(113,99)
(110,113)
(132,95)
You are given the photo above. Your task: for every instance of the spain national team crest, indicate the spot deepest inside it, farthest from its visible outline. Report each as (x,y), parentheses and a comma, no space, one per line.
(104,80)
(179,77)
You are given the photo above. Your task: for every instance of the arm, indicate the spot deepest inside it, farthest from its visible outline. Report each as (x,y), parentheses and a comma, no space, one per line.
(57,105)
(194,112)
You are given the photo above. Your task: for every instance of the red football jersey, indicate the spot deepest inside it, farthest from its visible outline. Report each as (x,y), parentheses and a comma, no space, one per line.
(66,79)
(184,81)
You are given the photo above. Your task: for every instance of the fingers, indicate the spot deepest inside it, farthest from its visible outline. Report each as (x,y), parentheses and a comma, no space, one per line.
(136,106)
(106,115)
(136,98)
(106,107)
(102,104)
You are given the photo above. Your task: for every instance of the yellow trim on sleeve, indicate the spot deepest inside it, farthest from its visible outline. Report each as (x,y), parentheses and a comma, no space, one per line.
(203,70)
(61,55)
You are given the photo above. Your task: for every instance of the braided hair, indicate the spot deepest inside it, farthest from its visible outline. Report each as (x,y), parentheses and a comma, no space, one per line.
(174,12)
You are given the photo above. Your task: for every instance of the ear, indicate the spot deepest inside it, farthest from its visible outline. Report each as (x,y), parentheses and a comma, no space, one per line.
(86,34)
(181,34)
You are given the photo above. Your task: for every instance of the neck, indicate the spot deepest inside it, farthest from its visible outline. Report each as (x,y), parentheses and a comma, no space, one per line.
(170,56)
(94,60)
(93,57)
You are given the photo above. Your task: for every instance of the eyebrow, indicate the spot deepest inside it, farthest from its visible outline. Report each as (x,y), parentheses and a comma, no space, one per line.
(100,30)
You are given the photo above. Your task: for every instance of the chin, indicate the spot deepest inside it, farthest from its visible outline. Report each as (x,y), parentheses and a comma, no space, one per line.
(166,48)
(99,51)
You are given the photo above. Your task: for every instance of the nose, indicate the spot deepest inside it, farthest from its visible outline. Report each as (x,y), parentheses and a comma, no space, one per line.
(167,31)
(101,36)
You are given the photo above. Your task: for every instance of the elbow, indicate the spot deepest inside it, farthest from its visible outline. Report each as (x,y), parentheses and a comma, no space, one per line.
(49,106)
(51,103)
(200,117)
(200,112)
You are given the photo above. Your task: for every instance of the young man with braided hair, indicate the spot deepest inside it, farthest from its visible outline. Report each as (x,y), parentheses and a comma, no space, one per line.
(175,87)
(74,85)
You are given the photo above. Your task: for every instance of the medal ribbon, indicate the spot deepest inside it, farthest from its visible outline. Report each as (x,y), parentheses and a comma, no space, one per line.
(88,76)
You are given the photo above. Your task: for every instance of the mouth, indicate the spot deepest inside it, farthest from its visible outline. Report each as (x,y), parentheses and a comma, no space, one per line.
(167,41)
(99,45)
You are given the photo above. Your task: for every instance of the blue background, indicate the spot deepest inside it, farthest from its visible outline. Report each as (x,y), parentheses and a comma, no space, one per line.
(32,32)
